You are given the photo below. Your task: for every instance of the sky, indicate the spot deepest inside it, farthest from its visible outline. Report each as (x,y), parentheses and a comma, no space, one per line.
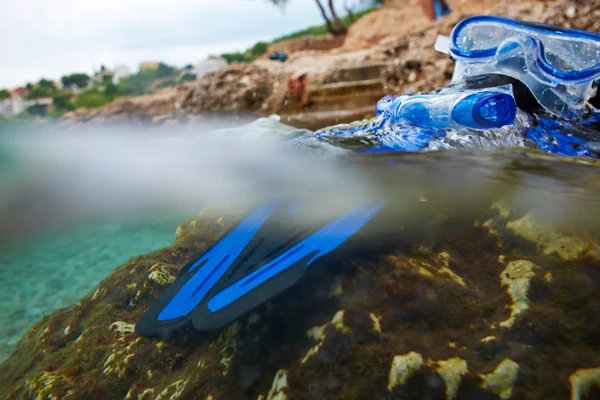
(51,38)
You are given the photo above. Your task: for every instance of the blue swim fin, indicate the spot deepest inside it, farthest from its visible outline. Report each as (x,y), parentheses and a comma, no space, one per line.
(265,254)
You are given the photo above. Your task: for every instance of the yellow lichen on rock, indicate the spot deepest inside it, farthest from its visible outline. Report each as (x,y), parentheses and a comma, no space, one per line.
(146,394)
(173,391)
(403,368)
(317,333)
(582,380)
(501,208)
(98,293)
(445,259)
(549,240)
(376,322)
(491,227)
(451,371)
(179,232)
(338,321)
(441,267)
(160,275)
(501,380)
(424,272)
(336,288)
(122,328)
(43,386)
(227,339)
(117,361)
(516,276)
(280,384)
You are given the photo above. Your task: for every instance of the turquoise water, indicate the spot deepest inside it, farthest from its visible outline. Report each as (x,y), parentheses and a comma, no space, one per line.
(50,272)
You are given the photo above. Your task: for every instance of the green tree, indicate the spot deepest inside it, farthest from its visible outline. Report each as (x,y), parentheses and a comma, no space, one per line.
(111,90)
(92,98)
(138,84)
(62,102)
(78,79)
(234,57)
(44,88)
(166,83)
(46,84)
(258,49)
(4,94)
(188,76)
(164,70)
(106,79)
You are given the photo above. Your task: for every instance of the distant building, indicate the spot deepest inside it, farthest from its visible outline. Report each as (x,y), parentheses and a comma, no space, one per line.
(146,65)
(120,72)
(19,92)
(73,88)
(6,108)
(17,103)
(98,78)
(17,100)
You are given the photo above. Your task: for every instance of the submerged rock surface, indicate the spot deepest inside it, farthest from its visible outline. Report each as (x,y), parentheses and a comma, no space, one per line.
(485,306)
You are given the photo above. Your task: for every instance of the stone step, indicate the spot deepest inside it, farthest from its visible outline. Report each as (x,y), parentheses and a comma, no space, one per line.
(323,98)
(314,120)
(345,88)
(356,73)
(346,102)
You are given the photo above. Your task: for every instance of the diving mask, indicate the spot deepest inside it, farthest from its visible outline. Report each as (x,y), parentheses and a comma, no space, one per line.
(560,66)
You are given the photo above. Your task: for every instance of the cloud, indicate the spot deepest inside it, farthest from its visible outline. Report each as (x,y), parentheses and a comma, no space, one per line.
(49,39)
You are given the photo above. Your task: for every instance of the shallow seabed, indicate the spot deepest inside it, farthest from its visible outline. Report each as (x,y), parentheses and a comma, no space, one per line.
(487,287)
(48,273)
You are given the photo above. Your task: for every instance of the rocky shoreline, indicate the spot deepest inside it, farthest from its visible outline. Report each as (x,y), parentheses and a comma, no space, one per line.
(389,51)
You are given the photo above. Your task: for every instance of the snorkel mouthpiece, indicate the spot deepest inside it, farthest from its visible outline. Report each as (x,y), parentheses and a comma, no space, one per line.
(485,110)
(453,108)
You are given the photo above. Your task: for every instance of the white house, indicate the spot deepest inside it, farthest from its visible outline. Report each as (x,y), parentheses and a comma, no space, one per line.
(6,109)
(14,106)
(120,72)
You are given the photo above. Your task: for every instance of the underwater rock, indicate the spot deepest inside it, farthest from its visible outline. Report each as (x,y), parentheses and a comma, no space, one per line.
(423,319)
